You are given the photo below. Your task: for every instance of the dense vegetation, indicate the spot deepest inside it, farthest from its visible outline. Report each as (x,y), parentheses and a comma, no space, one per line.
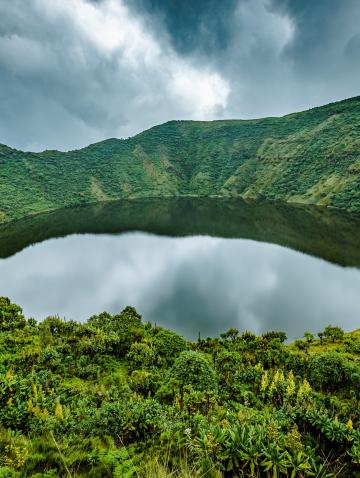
(311,157)
(117,396)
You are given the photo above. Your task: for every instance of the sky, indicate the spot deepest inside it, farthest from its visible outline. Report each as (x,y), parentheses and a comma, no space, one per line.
(79,71)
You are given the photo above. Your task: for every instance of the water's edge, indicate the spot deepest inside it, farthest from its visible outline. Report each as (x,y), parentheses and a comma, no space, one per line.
(326,233)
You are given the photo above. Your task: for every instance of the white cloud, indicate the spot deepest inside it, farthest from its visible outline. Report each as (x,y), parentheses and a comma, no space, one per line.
(102,65)
(207,92)
(73,72)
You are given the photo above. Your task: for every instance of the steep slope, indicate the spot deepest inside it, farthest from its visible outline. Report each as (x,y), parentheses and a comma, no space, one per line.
(311,157)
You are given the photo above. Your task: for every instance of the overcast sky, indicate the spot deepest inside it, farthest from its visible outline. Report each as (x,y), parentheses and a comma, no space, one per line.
(77,71)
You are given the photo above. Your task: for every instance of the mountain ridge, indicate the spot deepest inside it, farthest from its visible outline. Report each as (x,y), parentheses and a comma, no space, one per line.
(223,120)
(310,157)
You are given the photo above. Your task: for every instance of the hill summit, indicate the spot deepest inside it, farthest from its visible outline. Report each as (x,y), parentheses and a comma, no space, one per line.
(311,157)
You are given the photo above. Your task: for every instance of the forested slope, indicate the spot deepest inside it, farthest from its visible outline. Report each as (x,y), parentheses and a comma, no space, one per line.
(310,157)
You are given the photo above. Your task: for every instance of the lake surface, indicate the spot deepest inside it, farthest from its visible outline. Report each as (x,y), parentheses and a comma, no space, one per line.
(197,266)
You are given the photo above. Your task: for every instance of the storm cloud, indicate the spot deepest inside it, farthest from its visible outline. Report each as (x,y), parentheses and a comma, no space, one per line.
(79,71)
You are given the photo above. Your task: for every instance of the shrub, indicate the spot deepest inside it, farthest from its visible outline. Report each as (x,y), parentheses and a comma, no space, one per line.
(168,345)
(140,355)
(329,370)
(11,316)
(192,368)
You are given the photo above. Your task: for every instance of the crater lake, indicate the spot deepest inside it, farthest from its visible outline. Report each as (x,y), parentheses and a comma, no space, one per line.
(196,266)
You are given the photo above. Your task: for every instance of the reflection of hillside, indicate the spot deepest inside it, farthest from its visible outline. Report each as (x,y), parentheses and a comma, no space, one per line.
(325,233)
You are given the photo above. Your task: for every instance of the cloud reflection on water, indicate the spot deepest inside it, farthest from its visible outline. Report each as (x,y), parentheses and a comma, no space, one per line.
(188,284)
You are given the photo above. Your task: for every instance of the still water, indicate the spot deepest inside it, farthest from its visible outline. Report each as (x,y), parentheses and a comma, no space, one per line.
(198,266)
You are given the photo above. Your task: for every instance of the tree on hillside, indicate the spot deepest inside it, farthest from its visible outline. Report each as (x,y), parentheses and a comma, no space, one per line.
(168,345)
(11,316)
(309,337)
(231,334)
(275,334)
(329,371)
(333,333)
(192,369)
(301,345)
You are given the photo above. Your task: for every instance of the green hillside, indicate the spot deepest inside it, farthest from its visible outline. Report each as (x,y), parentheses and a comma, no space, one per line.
(311,157)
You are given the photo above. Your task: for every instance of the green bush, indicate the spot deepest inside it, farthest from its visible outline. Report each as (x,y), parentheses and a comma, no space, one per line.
(11,316)
(329,370)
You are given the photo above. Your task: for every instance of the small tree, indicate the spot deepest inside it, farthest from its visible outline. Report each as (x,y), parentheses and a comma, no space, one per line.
(141,355)
(329,370)
(11,316)
(228,363)
(274,334)
(333,333)
(231,334)
(301,345)
(121,330)
(192,369)
(309,337)
(168,345)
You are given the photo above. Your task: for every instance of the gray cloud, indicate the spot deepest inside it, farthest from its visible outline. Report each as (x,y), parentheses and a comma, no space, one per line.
(79,71)
(278,56)
(325,45)
(75,72)
(204,26)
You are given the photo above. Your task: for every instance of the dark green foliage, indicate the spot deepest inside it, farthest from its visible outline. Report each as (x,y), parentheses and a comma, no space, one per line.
(352,345)
(168,345)
(275,335)
(116,397)
(11,316)
(310,157)
(123,329)
(333,333)
(140,355)
(301,344)
(329,370)
(194,370)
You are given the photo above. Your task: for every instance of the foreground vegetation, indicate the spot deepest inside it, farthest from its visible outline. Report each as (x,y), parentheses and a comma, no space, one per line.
(310,157)
(119,397)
